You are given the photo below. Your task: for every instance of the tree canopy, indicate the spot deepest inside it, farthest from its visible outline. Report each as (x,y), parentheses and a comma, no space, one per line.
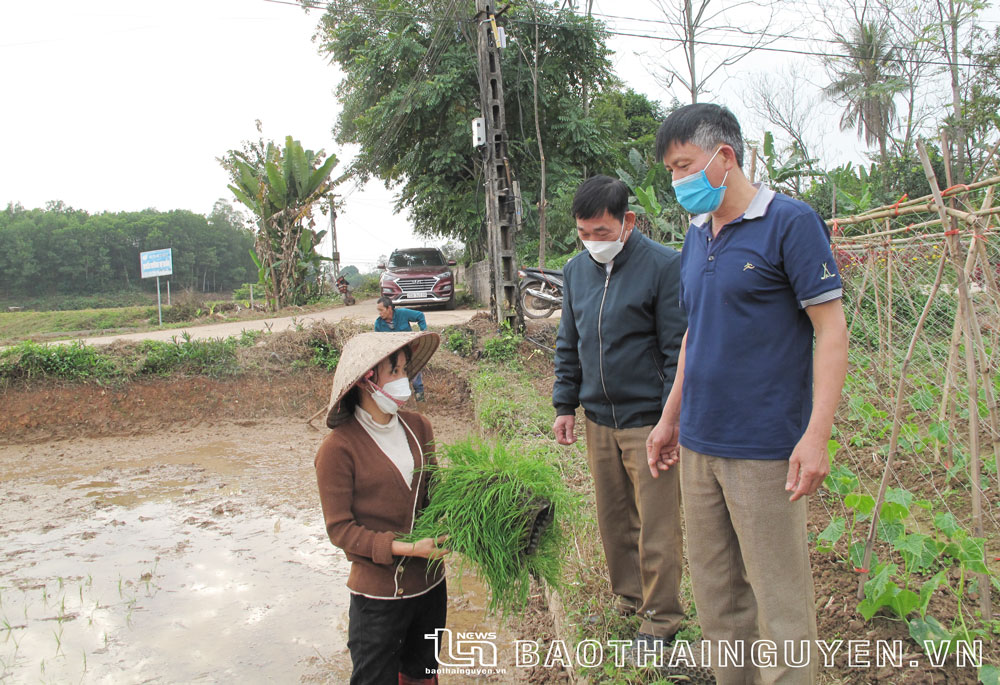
(60,250)
(410,91)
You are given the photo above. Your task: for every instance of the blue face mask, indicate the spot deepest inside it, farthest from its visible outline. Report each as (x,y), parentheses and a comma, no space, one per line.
(696,194)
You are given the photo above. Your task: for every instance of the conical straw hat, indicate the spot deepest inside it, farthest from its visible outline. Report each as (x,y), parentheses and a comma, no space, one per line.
(364,352)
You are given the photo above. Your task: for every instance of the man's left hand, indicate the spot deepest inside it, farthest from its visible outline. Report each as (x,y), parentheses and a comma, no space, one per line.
(807,467)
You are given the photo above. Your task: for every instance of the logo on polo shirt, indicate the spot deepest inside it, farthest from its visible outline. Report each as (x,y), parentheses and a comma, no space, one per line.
(748,265)
(826,273)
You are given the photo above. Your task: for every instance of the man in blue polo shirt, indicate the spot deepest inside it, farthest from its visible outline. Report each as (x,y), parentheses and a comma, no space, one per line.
(394,319)
(758,280)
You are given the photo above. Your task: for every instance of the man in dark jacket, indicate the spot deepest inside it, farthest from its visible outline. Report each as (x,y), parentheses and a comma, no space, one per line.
(616,354)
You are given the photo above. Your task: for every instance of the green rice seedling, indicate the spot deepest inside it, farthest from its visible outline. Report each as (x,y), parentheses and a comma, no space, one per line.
(500,510)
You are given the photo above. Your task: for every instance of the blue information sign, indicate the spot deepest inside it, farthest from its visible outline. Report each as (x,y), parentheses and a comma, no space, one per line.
(156,263)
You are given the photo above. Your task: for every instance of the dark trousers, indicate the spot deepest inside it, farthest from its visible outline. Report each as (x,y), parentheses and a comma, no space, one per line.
(386,636)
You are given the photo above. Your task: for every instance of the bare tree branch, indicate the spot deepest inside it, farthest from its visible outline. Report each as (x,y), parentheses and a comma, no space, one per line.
(694,24)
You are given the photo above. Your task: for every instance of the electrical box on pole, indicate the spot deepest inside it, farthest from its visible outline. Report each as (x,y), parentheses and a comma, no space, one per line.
(503,202)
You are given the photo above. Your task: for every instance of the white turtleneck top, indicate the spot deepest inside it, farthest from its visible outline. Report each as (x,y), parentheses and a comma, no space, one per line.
(391,439)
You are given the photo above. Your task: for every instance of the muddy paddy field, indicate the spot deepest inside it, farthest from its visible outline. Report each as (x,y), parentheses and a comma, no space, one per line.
(170,531)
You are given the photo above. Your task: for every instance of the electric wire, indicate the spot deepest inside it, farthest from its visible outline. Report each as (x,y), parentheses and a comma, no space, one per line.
(312,4)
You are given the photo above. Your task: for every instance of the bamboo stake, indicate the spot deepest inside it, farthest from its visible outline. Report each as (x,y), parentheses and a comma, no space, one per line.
(948,407)
(967,216)
(906,293)
(965,305)
(978,247)
(950,373)
(861,293)
(913,305)
(952,192)
(888,301)
(316,416)
(991,400)
(991,282)
(878,316)
(897,423)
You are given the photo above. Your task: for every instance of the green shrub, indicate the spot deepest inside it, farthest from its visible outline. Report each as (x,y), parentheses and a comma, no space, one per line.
(248,338)
(242,293)
(466,300)
(369,286)
(460,341)
(212,357)
(503,347)
(325,354)
(76,361)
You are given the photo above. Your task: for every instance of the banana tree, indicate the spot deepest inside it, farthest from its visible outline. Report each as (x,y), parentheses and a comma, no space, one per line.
(663,217)
(282,187)
(787,173)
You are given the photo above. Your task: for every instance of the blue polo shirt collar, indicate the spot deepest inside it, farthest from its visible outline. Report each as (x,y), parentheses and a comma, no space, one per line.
(755,210)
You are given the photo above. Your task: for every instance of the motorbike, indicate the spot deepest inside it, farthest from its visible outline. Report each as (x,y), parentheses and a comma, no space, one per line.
(540,291)
(345,289)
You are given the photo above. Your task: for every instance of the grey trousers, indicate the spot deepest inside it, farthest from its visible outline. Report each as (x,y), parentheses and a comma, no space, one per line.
(640,522)
(749,562)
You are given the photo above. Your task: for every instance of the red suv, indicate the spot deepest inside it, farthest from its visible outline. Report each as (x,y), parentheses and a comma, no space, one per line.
(419,275)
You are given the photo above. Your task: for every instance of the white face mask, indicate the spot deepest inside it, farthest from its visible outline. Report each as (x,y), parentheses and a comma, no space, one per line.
(392,395)
(603,251)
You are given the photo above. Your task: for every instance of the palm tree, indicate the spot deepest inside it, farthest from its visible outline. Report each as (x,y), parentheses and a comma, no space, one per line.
(866,80)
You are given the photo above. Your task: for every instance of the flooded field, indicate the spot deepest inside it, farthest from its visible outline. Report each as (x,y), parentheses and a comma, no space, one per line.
(196,555)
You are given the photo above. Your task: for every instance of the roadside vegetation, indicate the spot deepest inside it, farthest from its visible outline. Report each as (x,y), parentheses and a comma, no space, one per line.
(318,345)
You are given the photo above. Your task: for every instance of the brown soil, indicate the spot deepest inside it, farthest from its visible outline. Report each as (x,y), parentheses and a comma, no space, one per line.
(87,471)
(185,509)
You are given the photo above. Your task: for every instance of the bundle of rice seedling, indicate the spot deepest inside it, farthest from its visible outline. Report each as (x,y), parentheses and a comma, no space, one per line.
(500,513)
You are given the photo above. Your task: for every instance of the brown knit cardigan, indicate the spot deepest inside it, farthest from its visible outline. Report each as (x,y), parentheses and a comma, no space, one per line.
(367,505)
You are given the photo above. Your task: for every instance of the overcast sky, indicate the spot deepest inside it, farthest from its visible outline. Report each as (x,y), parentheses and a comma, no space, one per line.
(125,104)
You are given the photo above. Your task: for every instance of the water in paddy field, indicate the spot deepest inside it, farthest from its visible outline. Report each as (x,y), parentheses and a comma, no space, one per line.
(174,560)
(183,592)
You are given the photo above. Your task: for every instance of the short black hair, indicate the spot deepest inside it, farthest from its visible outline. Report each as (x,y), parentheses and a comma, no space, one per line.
(705,124)
(385,302)
(599,194)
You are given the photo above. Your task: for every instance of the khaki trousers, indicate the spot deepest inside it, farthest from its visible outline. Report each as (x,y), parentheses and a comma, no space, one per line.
(640,522)
(749,562)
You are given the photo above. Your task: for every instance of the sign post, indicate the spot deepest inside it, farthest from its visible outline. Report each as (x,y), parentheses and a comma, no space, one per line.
(157,263)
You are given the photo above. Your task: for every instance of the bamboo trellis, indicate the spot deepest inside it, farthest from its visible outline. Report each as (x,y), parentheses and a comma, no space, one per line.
(943,247)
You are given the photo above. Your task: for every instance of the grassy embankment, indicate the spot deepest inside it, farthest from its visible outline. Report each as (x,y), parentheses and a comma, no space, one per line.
(513,406)
(28,361)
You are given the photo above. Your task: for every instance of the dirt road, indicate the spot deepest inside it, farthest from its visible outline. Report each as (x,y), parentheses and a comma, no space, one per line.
(363,311)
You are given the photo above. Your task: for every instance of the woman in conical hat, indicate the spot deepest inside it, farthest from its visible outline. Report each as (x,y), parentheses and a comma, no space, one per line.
(372,487)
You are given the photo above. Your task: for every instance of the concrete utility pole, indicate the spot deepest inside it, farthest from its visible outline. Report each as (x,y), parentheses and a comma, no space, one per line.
(503,197)
(334,252)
